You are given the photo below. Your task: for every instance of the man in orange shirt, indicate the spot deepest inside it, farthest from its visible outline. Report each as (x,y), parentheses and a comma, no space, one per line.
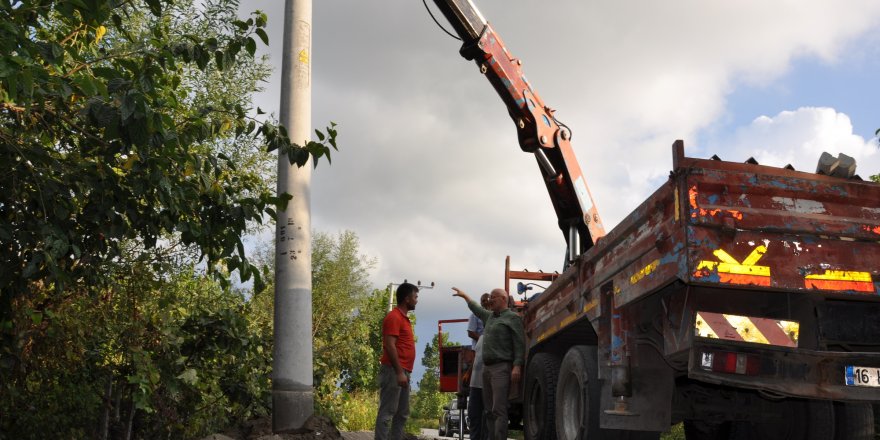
(398,357)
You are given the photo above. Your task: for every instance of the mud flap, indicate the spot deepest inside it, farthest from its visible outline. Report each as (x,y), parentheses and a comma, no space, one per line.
(651,402)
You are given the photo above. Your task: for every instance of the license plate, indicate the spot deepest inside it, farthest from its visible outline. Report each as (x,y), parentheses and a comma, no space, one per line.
(862,376)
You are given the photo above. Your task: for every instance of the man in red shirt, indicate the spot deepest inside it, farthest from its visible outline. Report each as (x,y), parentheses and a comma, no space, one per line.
(398,357)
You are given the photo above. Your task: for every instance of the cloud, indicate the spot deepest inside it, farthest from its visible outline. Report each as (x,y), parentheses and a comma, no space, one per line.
(429,173)
(798,138)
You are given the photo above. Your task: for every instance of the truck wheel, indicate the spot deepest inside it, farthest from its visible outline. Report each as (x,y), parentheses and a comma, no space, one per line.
(540,397)
(577,400)
(853,421)
(577,397)
(799,420)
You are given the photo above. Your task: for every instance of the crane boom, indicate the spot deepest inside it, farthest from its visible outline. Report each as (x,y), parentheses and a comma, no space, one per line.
(538,131)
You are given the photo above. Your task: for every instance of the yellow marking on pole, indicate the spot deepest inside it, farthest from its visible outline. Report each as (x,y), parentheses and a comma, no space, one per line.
(304,57)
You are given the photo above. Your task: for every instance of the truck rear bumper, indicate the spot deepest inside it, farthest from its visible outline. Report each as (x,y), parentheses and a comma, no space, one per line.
(791,372)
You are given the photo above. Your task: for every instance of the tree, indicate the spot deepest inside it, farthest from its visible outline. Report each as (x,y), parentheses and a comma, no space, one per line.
(109,139)
(347,319)
(134,167)
(164,354)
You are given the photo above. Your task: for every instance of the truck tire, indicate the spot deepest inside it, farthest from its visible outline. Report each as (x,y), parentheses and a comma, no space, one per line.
(801,420)
(577,400)
(540,397)
(577,397)
(853,421)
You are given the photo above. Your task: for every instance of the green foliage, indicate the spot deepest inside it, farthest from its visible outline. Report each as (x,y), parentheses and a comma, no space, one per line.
(346,327)
(676,432)
(112,133)
(171,353)
(340,290)
(352,411)
(134,166)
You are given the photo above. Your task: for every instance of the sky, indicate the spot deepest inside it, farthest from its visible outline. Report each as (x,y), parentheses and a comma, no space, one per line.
(429,173)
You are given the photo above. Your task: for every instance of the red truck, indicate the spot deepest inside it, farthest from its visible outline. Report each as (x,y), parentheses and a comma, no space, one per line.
(740,299)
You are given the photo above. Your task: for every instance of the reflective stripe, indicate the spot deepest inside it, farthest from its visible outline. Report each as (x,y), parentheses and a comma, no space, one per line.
(840,280)
(747,329)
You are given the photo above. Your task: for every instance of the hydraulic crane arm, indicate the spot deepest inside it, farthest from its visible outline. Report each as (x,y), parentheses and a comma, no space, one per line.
(538,130)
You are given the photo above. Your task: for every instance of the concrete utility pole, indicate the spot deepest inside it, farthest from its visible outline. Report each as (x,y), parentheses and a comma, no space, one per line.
(292,386)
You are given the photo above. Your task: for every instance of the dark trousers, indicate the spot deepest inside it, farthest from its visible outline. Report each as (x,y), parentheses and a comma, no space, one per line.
(496,386)
(393,405)
(476,420)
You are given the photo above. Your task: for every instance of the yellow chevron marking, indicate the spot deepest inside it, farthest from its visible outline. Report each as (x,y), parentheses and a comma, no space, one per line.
(729,264)
(756,255)
(746,329)
(840,275)
(725,257)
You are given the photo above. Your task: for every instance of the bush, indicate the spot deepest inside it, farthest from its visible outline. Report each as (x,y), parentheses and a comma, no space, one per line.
(351,411)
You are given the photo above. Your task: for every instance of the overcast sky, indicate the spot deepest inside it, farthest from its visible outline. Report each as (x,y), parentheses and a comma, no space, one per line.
(429,172)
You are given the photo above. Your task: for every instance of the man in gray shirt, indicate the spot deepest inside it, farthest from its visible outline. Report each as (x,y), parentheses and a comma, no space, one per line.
(503,353)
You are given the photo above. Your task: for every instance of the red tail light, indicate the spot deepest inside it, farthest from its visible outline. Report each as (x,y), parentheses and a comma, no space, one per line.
(730,362)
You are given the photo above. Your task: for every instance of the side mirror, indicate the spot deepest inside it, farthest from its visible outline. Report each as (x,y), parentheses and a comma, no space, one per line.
(446,407)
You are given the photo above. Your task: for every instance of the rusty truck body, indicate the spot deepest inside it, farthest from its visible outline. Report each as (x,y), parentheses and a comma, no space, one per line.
(739,298)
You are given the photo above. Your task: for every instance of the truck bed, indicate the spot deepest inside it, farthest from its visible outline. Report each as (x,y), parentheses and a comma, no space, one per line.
(723,249)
